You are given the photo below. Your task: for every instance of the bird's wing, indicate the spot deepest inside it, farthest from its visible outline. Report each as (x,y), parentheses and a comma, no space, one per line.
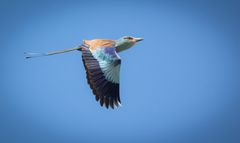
(102,67)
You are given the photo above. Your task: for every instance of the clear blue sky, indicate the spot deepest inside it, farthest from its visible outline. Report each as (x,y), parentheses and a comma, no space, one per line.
(181,84)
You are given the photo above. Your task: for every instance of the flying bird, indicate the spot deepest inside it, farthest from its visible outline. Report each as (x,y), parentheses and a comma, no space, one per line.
(102,64)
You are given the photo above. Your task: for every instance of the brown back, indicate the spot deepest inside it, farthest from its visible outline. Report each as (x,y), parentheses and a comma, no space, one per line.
(94,44)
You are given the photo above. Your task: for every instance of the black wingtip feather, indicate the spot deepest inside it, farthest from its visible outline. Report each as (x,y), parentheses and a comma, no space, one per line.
(111,103)
(106,101)
(101,101)
(97,97)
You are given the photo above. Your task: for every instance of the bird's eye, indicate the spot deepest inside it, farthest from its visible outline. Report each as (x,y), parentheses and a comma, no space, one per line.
(128,38)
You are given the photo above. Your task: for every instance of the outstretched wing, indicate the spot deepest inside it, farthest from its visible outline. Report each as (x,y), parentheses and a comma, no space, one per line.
(102,68)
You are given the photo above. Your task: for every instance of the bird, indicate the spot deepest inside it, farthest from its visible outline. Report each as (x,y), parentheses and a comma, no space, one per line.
(102,63)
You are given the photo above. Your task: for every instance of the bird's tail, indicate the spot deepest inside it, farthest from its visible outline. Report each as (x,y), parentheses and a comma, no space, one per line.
(33,55)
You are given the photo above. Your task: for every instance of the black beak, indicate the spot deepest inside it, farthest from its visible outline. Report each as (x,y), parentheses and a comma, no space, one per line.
(138,39)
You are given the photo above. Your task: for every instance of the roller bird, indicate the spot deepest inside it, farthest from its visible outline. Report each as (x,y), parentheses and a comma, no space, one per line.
(102,64)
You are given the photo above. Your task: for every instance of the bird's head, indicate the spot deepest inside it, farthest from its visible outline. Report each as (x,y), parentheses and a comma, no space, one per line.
(126,42)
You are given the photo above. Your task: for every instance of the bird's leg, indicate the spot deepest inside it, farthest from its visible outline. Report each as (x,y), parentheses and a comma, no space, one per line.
(33,55)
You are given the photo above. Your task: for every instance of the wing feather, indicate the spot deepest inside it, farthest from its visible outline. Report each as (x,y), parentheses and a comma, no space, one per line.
(102,67)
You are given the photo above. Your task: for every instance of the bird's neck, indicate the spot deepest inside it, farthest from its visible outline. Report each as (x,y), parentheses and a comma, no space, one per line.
(120,46)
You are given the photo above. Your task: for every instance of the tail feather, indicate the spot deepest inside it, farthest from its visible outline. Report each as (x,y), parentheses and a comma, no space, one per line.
(33,55)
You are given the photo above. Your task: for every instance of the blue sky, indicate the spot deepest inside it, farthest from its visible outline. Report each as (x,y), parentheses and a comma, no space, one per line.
(181,84)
